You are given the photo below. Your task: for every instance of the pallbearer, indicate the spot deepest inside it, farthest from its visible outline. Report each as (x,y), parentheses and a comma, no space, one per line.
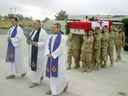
(120,42)
(104,46)
(56,60)
(97,48)
(14,54)
(87,51)
(74,50)
(111,44)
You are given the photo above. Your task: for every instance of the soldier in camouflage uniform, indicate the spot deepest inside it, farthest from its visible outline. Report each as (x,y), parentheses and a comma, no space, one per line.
(74,49)
(70,55)
(97,48)
(87,51)
(115,31)
(120,42)
(104,46)
(111,44)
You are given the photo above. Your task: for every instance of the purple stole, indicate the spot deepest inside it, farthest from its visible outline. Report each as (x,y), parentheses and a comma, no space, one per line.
(52,64)
(11,49)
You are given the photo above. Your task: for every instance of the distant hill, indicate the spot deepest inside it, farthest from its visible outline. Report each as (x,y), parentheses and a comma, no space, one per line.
(102,17)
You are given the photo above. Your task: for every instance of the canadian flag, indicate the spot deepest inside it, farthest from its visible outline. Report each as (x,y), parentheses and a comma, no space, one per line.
(101,24)
(95,24)
(86,26)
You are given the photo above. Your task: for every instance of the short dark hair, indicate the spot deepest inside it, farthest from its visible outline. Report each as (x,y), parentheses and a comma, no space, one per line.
(37,20)
(15,18)
(58,25)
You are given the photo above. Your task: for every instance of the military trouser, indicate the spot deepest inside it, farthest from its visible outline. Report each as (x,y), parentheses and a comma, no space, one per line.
(111,54)
(96,58)
(86,58)
(104,57)
(118,51)
(75,53)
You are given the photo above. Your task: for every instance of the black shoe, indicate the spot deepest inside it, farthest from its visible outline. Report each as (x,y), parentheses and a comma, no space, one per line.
(33,85)
(49,92)
(10,77)
(68,68)
(103,66)
(76,67)
(83,70)
(41,78)
(23,75)
(66,88)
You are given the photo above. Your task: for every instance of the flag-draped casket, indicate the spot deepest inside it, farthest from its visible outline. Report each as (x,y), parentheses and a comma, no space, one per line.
(86,26)
(80,27)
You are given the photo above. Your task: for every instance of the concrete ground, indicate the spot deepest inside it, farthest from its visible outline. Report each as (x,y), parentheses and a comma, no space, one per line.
(106,82)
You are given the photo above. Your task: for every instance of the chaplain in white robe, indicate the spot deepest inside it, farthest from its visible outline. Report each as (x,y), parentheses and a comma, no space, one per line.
(56,62)
(14,55)
(37,44)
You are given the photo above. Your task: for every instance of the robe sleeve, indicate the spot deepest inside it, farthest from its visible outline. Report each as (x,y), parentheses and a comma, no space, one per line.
(59,50)
(43,39)
(9,31)
(46,47)
(16,40)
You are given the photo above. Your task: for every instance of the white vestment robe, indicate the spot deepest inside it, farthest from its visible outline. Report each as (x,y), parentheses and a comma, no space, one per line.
(36,75)
(57,84)
(17,67)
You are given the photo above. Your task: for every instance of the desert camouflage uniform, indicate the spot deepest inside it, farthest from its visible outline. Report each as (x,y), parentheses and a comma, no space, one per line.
(111,44)
(104,48)
(120,41)
(97,50)
(74,50)
(86,53)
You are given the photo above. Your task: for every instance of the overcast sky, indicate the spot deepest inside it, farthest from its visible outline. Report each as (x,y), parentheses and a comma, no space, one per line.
(42,8)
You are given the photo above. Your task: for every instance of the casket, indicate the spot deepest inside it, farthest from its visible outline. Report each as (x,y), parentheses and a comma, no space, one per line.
(101,24)
(79,27)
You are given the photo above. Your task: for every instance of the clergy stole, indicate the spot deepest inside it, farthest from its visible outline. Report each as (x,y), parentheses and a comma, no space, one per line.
(52,64)
(11,49)
(34,51)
